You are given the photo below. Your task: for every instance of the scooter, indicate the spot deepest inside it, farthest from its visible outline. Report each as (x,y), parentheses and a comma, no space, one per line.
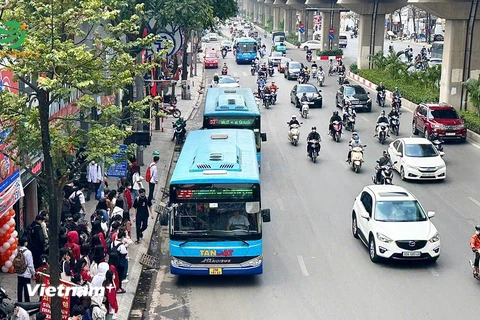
(438,145)
(309,57)
(171,110)
(179,133)
(305,109)
(274,96)
(337,130)
(294,133)
(253,69)
(350,122)
(314,149)
(476,276)
(382,132)
(320,79)
(397,102)
(386,175)
(356,158)
(267,100)
(381,99)
(6,308)
(395,125)
(314,72)
(341,78)
(224,71)
(270,71)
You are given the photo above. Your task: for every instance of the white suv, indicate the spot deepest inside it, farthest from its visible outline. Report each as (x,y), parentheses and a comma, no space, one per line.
(391,222)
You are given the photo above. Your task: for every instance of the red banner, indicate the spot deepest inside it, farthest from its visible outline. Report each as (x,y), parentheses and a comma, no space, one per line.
(45,302)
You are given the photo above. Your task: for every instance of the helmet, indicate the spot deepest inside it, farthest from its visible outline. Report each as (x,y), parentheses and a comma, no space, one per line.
(477,227)
(354,134)
(396,88)
(304,93)
(385,153)
(294,117)
(273,82)
(356,138)
(335,113)
(314,128)
(383,113)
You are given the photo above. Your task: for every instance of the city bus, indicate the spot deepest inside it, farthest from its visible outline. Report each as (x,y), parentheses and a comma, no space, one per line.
(436,56)
(234,108)
(245,50)
(214,214)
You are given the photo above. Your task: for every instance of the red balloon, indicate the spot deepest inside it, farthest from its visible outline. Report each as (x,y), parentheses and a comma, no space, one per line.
(13,247)
(16,241)
(10,231)
(12,213)
(9,252)
(11,270)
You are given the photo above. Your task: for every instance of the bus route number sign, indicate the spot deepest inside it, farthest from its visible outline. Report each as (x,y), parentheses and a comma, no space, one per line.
(225,122)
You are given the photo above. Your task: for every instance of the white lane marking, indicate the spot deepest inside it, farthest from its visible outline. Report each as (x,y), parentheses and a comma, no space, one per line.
(364,118)
(331,93)
(303,267)
(235,74)
(245,74)
(280,204)
(266,165)
(433,272)
(474,201)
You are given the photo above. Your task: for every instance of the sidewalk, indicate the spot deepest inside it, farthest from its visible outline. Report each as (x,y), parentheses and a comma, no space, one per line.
(161,141)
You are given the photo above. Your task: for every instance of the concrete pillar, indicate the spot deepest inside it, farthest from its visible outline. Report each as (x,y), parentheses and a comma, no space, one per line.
(276,18)
(289,23)
(365,35)
(326,25)
(453,60)
(255,11)
(309,25)
(267,10)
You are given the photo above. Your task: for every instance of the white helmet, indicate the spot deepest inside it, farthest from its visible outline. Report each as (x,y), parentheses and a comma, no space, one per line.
(294,117)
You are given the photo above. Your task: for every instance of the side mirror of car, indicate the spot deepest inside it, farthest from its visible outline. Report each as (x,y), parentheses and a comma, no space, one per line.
(266,215)
(301,122)
(319,90)
(400,154)
(365,215)
(263,135)
(431,214)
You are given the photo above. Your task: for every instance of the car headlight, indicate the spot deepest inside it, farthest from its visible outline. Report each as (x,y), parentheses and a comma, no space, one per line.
(435,238)
(459,127)
(369,100)
(437,126)
(179,263)
(383,238)
(255,262)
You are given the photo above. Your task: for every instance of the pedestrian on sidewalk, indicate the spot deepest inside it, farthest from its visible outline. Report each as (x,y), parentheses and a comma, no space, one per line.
(143,208)
(152,177)
(24,278)
(94,179)
(121,250)
(136,182)
(77,201)
(37,240)
(111,295)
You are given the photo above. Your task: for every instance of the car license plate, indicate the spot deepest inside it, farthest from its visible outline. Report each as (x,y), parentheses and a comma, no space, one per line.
(412,254)
(215,271)
(450,133)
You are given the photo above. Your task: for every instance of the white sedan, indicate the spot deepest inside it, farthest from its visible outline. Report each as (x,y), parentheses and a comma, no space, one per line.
(225,82)
(417,158)
(311,44)
(391,222)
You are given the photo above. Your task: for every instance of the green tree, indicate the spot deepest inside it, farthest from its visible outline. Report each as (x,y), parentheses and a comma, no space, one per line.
(77,52)
(473,88)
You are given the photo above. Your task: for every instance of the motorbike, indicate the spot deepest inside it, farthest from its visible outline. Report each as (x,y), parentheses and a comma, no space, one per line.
(396,102)
(314,149)
(253,69)
(395,124)
(341,78)
(294,133)
(270,71)
(382,132)
(320,79)
(309,57)
(381,99)
(350,121)
(261,90)
(437,142)
(267,100)
(471,265)
(224,53)
(274,96)
(386,175)
(356,159)
(7,308)
(305,109)
(179,133)
(337,130)
(171,110)
(332,70)
(314,72)
(224,71)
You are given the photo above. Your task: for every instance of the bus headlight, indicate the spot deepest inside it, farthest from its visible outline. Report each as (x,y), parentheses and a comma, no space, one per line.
(179,263)
(255,262)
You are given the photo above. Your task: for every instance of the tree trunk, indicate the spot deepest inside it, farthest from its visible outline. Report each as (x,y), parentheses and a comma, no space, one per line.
(400,22)
(414,17)
(54,208)
(139,84)
(185,57)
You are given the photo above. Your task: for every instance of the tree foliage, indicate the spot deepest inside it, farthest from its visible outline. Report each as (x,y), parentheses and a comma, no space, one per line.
(80,55)
(473,88)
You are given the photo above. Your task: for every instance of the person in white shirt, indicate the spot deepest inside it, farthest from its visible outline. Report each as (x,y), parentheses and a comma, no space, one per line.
(238,221)
(136,182)
(154,177)
(20,314)
(81,197)
(94,178)
(25,278)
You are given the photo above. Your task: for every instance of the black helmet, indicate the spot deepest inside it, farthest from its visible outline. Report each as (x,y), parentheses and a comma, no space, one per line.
(335,113)
(477,227)
(314,128)
(385,152)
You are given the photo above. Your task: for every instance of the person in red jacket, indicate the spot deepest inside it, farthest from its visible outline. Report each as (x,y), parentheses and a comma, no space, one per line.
(73,247)
(128,195)
(113,260)
(44,268)
(97,230)
(111,294)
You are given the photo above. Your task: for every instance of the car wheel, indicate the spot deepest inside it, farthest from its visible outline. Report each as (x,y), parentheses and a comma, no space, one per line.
(402,173)
(414,128)
(372,250)
(305,48)
(354,225)
(464,139)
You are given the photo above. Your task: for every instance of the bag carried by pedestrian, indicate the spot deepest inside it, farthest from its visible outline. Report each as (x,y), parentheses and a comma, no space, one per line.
(19,262)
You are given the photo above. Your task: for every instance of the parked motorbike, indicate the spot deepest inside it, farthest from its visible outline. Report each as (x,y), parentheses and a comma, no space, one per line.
(224,71)
(382,132)
(320,79)
(309,57)
(294,133)
(381,99)
(267,100)
(341,78)
(356,159)
(179,133)
(395,125)
(7,308)
(305,109)
(171,110)
(314,72)
(337,130)
(270,71)
(386,174)
(314,149)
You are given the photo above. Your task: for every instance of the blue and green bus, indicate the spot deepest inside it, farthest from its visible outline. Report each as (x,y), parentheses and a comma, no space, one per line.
(215,216)
(234,108)
(245,50)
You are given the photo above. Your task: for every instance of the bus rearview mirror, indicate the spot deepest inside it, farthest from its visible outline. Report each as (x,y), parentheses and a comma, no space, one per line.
(263,135)
(266,215)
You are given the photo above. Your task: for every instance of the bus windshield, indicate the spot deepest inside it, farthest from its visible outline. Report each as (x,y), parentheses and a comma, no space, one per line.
(437,50)
(246,47)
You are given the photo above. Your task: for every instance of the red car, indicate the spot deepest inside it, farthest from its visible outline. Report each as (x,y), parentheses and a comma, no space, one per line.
(211,59)
(440,117)
(281,64)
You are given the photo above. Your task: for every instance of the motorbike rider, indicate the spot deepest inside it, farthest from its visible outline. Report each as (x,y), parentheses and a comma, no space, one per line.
(380,89)
(216,78)
(263,68)
(313,135)
(390,47)
(224,52)
(475,246)
(314,65)
(304,98)
(260,83)
(353,143)
(381,119)
(347,111)
(224,67)
(266,91)
(331,66)
(393,113)
(309,52)
(384,160)
(293,121)
(180,123)
(273,86)
(334,117)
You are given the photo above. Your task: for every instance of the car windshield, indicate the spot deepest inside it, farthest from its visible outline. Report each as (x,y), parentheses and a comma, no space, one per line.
(354,90)
(226,80)
(420,150)
(399,211)
(277,54)
(211,55)
(301,89)
(443,114)
(295,65)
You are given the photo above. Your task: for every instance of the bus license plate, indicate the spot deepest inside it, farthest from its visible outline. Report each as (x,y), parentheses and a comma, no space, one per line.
(412,254)
(215,271)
